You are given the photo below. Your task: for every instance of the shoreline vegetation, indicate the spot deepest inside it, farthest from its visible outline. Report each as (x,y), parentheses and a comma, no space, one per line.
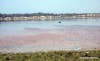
(88,55)
(48,16)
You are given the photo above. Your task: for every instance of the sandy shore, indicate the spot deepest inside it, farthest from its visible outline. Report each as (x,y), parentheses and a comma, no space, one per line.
(66,38)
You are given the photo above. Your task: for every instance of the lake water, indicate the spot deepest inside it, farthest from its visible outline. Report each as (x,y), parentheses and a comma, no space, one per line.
(27,36)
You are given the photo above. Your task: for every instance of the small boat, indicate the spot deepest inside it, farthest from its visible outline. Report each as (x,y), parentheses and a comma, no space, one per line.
(59,22)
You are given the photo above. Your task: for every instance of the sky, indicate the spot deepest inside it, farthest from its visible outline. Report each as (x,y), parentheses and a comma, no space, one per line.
(50,6)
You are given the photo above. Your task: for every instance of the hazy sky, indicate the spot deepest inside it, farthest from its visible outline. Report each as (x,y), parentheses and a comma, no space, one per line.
(51,6)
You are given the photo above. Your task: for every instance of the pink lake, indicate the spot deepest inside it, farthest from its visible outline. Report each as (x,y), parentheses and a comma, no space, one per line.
(29,36)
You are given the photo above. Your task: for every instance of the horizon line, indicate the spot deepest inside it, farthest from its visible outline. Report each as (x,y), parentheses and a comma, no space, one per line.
(51,13)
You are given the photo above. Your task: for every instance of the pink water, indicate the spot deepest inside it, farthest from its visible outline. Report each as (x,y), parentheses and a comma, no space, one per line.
(49,35)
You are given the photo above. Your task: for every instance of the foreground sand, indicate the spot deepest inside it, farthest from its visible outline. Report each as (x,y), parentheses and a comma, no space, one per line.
(66,38)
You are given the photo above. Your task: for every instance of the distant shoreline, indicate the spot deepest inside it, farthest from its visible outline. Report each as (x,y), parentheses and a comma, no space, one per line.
(47,16)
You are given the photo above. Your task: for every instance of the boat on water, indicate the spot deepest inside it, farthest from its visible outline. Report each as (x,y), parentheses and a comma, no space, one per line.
(59,22)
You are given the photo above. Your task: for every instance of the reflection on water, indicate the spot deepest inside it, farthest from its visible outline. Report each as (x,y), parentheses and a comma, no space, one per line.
(14,27)
(20,33)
